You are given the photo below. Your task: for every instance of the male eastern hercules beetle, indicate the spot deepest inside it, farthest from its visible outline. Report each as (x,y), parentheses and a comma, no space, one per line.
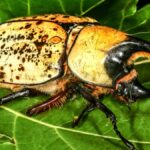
(61,55)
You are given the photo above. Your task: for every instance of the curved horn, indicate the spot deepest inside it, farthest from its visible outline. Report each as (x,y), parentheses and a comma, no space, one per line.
(138,91)
(117,57)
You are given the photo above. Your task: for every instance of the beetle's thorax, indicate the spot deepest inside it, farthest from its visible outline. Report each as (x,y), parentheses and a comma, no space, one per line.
(88,53)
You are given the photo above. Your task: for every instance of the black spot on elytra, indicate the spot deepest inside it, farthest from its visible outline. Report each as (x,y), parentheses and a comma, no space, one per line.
(2,46)
(57,50)
(29,58)
(23,48)
(66,16)
(49,67)
(27,26)
(55,29)
(53,18)
(30,36)
(17,77)
(23,59)
(19,37)
(15,52)
(39,22)
(39,45)
(44,38)
(74,33)
(49,55)
(3,32)
(28,50)
(21,28)
(21,67)
(40,36)
(49,76)
(2,74)
(8,37)
(5,52)
(34,17)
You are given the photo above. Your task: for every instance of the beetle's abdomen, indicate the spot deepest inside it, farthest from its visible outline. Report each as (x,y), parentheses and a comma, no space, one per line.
(30,52)
(88,54)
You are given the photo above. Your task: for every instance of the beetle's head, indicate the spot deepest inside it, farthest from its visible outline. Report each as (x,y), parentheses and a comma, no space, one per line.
(131,91)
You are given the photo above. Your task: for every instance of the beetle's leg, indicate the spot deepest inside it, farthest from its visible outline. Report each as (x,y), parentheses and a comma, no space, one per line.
(14,95)
(84,112)
(109,114)
(54,101)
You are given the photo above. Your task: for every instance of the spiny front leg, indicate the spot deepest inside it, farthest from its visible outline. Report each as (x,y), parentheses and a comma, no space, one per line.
(54,101)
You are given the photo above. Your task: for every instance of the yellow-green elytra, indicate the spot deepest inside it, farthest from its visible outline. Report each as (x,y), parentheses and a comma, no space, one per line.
(62,55)
(32,48)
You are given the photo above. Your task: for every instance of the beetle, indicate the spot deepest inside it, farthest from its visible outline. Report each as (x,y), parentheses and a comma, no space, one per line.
(62,55)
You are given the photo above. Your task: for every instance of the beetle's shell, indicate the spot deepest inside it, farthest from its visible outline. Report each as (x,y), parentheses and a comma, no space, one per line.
(32,48)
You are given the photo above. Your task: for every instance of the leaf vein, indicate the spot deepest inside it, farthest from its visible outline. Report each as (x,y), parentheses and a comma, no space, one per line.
(28,8)
(123,15)
(81,6)
(138,25)
(63,139)
(92,7)
(62,6)
(65,129)
(14,129)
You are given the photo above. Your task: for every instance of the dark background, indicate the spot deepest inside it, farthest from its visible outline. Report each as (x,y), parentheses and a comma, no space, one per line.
(141,3)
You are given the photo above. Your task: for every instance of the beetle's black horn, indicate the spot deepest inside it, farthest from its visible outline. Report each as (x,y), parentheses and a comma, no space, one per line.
(138,91)
(139,45)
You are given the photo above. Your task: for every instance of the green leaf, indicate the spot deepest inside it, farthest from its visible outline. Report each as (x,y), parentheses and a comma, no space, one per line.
(52,129)
(16,8)
(138,24)
(117,12)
